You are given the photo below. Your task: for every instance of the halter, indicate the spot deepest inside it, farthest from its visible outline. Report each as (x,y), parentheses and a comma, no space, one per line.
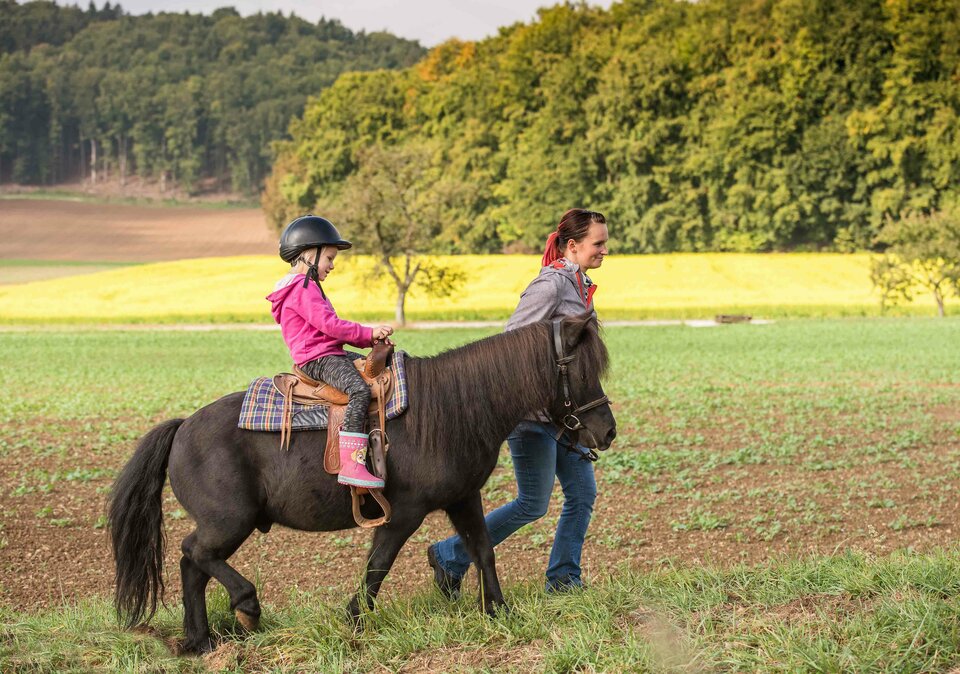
(571,420)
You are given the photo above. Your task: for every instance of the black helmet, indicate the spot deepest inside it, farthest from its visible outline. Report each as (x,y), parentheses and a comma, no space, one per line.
(309,231)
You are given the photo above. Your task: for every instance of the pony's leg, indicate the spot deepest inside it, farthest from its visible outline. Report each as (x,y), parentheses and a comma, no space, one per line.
(387,541)
(467,519)
(195,627)
(209,550)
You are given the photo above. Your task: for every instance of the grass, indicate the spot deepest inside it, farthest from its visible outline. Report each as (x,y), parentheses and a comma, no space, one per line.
(831,447)
(225,290)
(676,374)
(60,263)
(71,195)
(851,612)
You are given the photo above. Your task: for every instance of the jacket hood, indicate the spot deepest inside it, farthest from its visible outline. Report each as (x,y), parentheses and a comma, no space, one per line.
(280,291)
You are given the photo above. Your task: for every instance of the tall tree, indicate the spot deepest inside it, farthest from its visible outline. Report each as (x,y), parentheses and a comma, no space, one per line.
(716,125)
(169,96)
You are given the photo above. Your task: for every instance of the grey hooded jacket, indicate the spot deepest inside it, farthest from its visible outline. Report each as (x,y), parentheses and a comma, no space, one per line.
(554,293)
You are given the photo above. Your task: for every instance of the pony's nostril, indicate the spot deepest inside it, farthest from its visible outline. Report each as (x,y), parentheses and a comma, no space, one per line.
(611,435)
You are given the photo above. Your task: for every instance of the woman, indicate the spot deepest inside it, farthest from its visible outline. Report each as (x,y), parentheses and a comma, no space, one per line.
(561,289)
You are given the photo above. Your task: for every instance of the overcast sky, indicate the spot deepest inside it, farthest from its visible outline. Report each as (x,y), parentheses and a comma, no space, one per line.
(429,21)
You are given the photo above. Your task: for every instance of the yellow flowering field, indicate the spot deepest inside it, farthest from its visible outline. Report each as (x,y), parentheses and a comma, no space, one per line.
(631,286)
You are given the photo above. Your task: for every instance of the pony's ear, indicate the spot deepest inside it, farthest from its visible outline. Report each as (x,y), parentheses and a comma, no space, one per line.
(575,328)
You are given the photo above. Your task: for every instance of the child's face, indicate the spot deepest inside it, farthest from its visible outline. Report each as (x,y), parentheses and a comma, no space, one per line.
(327,255)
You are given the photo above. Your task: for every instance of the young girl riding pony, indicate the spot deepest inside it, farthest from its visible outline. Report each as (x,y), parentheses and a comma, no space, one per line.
(315,334)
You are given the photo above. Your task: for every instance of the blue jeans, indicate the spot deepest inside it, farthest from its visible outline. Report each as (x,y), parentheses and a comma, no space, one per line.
(536,460)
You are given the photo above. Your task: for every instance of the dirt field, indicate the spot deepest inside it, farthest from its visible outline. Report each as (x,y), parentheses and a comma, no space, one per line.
(89,232)
(56,531)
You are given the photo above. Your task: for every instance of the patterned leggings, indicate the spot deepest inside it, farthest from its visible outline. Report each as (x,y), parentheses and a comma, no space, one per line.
(339,371)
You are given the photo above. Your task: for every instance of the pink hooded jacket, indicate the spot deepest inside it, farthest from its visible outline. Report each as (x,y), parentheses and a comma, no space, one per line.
(310,325)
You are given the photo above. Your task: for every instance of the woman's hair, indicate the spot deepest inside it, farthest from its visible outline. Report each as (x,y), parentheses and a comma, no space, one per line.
(574,225)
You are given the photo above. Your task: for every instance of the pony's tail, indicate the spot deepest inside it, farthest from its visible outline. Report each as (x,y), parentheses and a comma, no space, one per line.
(136,525)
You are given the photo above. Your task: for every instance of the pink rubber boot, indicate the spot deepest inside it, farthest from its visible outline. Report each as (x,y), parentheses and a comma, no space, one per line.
(353,462)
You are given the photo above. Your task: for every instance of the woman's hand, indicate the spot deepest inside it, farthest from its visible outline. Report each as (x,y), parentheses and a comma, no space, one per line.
(382,332)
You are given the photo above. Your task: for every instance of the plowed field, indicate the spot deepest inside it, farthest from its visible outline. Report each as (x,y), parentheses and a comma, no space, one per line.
(77,231)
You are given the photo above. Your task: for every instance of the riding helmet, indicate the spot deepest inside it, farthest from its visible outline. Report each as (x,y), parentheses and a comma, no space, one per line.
(309,231)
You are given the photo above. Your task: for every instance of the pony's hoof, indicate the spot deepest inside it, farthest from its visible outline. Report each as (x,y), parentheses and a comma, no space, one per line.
(355,616)
(194,646)
(497,608)
(249,623)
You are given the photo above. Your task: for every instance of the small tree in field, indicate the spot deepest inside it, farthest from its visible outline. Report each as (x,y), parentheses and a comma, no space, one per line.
(923,251)
(396,205)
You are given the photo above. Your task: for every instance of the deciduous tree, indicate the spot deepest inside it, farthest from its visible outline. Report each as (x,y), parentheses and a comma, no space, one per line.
(923,252)
(395,206)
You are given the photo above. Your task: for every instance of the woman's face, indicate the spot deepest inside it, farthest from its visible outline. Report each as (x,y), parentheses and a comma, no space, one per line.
(590,251)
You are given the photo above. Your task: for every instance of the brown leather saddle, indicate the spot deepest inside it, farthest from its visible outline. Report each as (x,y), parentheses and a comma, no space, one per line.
(301,388)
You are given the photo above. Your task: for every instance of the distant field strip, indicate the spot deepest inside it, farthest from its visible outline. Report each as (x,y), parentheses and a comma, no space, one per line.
(232,289)
(27,271)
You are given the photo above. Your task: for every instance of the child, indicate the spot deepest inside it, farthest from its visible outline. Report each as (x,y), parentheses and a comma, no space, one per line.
(316,335)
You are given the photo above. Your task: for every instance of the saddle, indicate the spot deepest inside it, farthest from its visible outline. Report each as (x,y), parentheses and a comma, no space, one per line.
(301,388)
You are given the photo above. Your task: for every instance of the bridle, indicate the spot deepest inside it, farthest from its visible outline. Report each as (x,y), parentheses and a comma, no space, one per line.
(571,419)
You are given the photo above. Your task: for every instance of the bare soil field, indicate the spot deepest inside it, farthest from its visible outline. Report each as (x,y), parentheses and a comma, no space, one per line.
(77,231)
(55,531)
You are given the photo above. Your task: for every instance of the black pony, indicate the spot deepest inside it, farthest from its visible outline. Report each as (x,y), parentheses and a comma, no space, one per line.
(463,404)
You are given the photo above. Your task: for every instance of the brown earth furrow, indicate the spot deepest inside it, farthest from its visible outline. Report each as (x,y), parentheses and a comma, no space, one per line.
(91,232)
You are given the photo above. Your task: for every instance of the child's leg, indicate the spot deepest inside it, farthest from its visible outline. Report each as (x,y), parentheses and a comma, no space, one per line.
(339,371)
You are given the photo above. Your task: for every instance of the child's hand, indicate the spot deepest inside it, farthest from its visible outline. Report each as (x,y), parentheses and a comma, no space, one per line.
(382,332)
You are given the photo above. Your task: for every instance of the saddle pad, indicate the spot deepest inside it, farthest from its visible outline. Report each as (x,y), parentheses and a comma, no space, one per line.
(262,408)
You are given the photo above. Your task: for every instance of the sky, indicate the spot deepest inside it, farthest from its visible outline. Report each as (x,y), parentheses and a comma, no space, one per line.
(429,21)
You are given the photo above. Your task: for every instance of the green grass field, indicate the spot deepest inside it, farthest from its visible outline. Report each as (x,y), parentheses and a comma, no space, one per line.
(73,195)
(780,498)
(16,272)
(839,614)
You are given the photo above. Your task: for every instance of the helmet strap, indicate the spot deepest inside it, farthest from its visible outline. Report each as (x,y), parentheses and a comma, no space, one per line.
(312,269)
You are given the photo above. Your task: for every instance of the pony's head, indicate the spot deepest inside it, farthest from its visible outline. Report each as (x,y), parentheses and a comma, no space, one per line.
(579,405)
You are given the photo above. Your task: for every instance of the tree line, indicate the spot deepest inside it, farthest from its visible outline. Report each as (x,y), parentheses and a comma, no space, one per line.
(185,99)
(741,125)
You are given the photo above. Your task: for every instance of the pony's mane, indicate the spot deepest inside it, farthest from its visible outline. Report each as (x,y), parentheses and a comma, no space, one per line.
(467,387)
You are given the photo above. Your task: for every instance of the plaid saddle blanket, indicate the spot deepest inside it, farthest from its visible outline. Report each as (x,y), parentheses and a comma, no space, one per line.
(262,408)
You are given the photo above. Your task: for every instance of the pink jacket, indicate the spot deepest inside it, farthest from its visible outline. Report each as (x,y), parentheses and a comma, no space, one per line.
(310,325)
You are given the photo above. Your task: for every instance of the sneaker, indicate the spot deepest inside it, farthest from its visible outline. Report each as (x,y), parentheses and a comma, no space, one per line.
(447,583)
(564,585)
